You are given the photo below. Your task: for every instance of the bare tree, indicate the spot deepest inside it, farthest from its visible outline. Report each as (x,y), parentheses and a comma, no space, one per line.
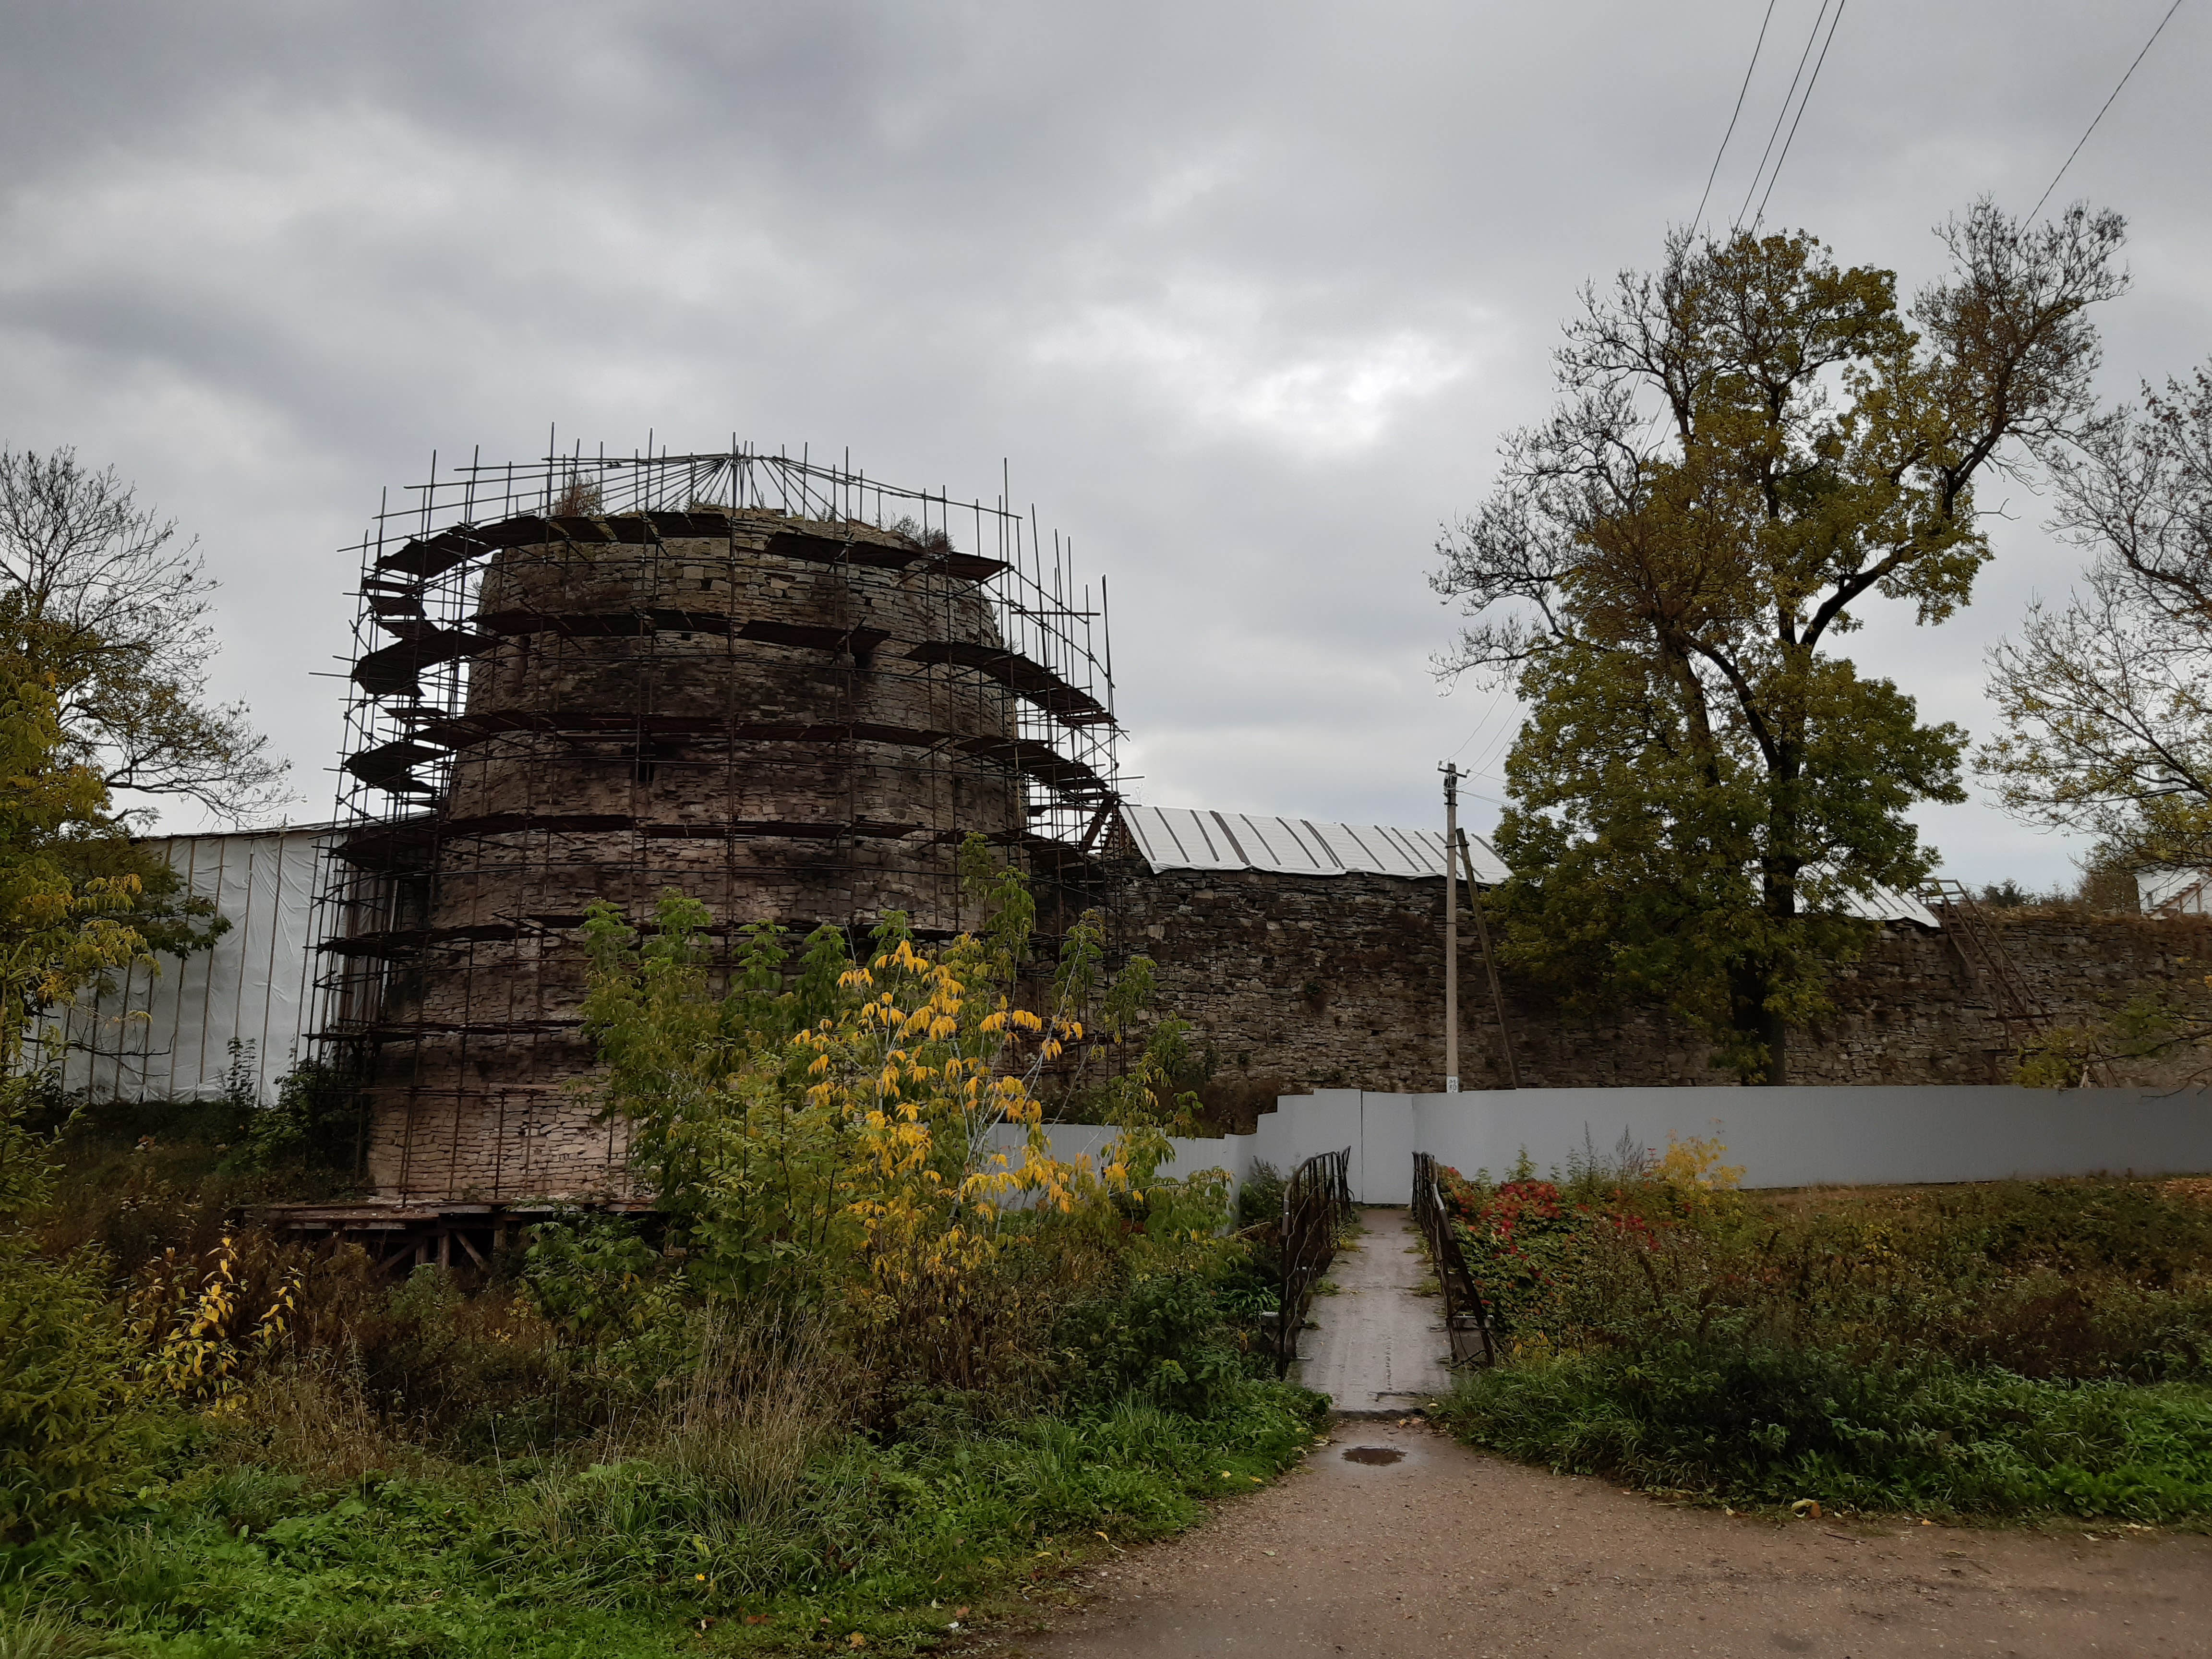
(2107,702)
(102,601)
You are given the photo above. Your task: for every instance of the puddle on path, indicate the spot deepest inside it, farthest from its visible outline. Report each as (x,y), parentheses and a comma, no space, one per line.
(1372,1454)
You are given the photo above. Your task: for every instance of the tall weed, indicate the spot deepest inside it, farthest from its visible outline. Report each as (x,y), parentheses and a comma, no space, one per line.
(314,1418)
(49,1633)
(759,1400)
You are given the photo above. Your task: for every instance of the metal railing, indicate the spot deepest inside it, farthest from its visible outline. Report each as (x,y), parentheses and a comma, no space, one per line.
(1466,1315)
(1316,1203)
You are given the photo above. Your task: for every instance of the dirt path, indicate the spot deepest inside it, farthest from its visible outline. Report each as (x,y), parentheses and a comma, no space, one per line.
(1447,1551)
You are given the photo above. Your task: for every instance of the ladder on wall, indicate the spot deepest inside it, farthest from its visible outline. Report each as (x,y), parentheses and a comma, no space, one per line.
(2025,1016)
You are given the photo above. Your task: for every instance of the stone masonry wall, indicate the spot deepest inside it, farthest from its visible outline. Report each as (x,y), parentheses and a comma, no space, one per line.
(728,716)
(1298,982)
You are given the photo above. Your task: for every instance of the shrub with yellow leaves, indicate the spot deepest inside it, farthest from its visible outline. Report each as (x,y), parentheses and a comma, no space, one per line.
(202,1326)
(1693,1169)
(867,1132)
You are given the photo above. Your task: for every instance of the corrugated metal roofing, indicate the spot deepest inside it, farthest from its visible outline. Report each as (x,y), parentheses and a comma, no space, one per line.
(1177,838)
(1888,904)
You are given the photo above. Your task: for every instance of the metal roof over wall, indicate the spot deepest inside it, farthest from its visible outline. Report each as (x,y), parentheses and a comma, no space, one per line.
(1177,838)
(1888,904)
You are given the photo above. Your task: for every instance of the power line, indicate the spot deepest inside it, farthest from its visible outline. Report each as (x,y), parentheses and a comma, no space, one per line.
(1783,115)
(1697,218)
(1497,697)
(1802,103)
(2076,150)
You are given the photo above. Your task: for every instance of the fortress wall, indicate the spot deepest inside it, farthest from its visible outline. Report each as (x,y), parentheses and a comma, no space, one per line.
(1302,983)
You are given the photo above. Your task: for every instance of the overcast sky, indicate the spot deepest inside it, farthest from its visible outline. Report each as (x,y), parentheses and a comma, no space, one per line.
(1244,294)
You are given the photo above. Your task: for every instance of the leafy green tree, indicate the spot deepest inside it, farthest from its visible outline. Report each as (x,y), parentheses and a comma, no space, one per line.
(104,610)
(2107,714)
(1136,1073)
(1753,443)
(745,1161)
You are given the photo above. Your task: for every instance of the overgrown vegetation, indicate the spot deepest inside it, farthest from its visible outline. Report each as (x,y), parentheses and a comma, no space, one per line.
(2009,1350)
(880,1364)
(63,1394)
(2161,1030)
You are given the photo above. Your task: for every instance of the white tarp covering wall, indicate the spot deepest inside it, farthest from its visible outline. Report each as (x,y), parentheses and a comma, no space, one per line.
(255,986)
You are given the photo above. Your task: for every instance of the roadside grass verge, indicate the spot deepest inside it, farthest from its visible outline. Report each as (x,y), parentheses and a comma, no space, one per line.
(1773,1428)
(2005,1351)
(639,1557)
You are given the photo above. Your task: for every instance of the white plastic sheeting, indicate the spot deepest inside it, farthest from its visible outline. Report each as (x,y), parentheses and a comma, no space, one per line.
(166,1034)
(1176,838)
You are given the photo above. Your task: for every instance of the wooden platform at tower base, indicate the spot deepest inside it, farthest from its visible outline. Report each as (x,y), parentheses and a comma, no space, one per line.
(405,1233)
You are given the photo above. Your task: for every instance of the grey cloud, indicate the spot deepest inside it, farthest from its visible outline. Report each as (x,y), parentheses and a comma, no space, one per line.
(1245,293)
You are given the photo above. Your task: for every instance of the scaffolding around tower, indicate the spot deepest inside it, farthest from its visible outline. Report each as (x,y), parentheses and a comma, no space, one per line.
(779,687)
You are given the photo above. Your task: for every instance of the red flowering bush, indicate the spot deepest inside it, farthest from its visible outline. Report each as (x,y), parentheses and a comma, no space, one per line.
(1527,1243)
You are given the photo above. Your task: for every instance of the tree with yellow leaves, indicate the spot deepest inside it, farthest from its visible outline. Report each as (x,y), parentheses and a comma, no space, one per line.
(63,1385)
(58,933)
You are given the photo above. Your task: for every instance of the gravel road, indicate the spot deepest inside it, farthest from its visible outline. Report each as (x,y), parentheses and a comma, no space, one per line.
(1442,1550)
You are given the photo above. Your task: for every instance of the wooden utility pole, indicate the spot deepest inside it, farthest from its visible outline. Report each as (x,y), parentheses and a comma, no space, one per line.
(1490,962)
(1451,926)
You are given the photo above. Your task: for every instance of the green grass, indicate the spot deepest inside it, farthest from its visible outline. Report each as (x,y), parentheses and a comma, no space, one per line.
(1772,1427)
(636,1558)
(702,1473)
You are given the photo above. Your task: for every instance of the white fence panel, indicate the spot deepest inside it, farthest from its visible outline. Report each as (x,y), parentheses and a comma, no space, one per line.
(1818,1135)
(1788,1137)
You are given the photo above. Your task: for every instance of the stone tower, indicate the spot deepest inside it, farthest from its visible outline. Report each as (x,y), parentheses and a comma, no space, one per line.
(789,719)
